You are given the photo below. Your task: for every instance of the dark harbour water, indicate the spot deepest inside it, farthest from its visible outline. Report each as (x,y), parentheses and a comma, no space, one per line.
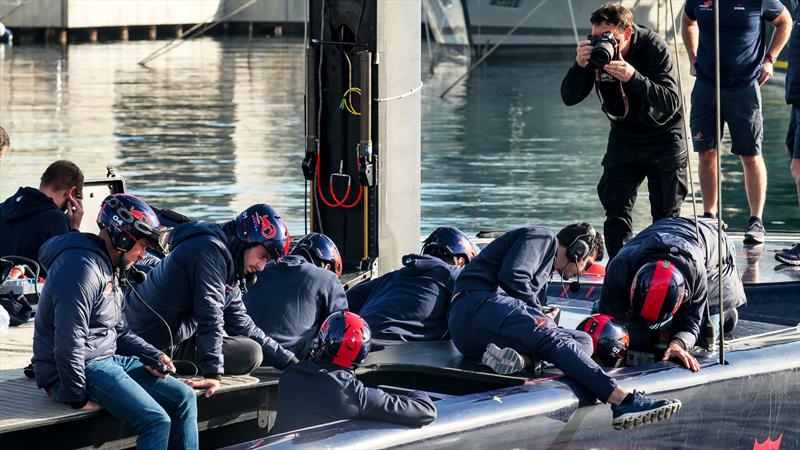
(217,125)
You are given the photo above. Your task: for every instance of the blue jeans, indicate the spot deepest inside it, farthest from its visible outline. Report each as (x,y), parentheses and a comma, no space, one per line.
(162,411)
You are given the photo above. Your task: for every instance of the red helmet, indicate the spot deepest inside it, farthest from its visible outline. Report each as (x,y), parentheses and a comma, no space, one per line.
(261,224)
(128,219)
(657,291)
(317,249)
(344,340)
(610,338)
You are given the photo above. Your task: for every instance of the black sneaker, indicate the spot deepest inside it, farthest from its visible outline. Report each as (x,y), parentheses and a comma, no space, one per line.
(755,232)
(638,409)
(789,256)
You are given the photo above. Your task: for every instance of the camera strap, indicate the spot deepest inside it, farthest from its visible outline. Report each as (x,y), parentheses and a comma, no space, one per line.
(597,74)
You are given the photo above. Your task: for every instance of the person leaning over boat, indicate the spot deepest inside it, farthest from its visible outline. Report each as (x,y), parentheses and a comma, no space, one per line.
(411,303)
(662,279)
(32,216)
(638,92)
(791,256)
(743,68)
(195,289)
(294,295)
(80,334)
(324,388)
(496,304)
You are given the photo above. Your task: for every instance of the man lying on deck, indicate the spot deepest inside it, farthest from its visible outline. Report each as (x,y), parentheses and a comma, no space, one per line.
(325,389)
(411,303)
(80,335)
(661,280)
(497,305)
(196,290)
(294,295)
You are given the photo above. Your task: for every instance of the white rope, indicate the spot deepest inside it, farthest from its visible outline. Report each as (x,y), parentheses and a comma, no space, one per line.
(398,97)
(574,25)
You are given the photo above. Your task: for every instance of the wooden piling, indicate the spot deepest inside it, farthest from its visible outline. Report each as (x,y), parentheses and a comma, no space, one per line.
(93,35)
(153,32)
(63,37)
(178,31)
(123,34)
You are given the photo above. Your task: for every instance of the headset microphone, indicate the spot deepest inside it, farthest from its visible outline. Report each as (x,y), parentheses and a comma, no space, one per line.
(251,278)
(136,276)
(575,286)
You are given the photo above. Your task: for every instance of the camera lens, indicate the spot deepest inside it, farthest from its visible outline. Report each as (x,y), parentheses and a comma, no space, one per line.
(602,53)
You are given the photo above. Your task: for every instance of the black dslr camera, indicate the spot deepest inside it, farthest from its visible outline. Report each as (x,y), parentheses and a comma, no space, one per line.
(605,49)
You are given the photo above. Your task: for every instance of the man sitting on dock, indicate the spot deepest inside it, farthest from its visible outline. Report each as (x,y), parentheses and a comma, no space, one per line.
(324,388)
(411,303)
(192,298)
(497,305)
(663,280)
(631,70)
(294,295)
(80,334)
(32,216)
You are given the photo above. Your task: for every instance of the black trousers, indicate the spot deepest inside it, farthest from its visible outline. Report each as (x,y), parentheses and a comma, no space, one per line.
(666,182)
(241,356)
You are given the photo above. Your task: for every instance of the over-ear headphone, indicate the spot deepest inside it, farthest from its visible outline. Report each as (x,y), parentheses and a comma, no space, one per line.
(581,248)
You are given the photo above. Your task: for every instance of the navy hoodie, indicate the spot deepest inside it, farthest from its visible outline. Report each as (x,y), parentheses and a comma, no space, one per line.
(193,289)
(409,304)
(518,263)
(291,299)
(27,220)
(675,239)
(793,56)
(79,318)
(312,393)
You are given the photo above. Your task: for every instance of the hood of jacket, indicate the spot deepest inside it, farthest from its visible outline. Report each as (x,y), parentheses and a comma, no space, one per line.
(26,202)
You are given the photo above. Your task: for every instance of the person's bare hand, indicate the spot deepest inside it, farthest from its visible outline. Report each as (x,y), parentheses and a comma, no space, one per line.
(767,71)
(676,352)
(209,384)
(553,313)
(620,69)
(164,359)
(74,210)
(583,50)
(692,68)
(91,406)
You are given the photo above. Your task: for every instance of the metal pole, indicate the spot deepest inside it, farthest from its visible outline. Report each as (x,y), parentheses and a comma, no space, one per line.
(718,138)
(365,146)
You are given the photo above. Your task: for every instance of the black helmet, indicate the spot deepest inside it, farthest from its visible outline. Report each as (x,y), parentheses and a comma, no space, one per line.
(610,338)
(128,219)
(317,249)
(261,224)
(344,340)
(450,242)
(657,291)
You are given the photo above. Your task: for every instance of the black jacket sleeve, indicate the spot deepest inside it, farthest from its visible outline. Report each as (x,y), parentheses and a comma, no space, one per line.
(522,266)
(615,296)
(209,276)
(74,293)
(689,317)
(335,297)
(239,323)
(128,343)
(358,295)
(577,84)
(415,409)
(658,91)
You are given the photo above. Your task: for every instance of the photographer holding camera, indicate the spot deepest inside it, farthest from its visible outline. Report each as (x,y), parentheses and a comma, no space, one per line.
(630,68)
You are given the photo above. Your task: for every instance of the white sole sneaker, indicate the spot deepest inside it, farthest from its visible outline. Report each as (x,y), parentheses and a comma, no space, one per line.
(631,420)
(503,360)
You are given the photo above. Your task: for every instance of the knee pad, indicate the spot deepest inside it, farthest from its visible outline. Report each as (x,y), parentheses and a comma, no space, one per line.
(731,319)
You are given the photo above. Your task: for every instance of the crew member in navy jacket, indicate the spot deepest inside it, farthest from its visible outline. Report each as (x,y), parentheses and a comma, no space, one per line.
(324,388)
(32,216)
(411,303)
(664,276)
(497,304)
(294,295)
(80,334)
(196,290)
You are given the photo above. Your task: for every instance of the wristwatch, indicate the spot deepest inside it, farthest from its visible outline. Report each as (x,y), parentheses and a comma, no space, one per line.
(769,58)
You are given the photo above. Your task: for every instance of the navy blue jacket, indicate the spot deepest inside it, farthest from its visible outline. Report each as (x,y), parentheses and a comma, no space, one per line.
(193,289)
(79,318)
(28,219)
(793,71)
(291,299)
(518,263)
(311,393)
(675,239)
(409,304)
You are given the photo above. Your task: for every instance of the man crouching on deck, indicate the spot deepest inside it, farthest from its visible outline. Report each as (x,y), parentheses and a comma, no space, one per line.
(80,329)
(497,302)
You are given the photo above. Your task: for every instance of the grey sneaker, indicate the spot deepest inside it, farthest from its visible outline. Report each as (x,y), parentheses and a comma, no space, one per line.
(503,360)
(755,232)
(789,256)
(638,409)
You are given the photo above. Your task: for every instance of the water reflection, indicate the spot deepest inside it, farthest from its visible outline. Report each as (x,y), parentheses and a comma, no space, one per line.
(217,125)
